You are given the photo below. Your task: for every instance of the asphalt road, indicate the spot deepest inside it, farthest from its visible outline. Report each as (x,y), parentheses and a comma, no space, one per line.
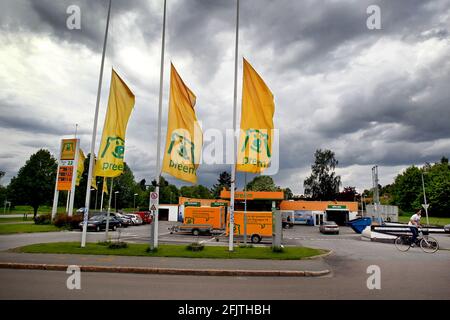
(410,275)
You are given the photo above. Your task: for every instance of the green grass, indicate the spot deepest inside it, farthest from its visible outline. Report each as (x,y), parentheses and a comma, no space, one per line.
(26,228)
(9,220)
(213,252)
(29,210)
(438,221)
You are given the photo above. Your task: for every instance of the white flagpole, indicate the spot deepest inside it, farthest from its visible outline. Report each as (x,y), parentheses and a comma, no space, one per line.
(94,134)
(233,165)
(109,210)
(101,201)
(158,143)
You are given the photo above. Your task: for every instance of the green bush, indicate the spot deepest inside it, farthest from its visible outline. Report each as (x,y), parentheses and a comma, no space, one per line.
(43,219)
(150,250)
(195,247)
(118,245)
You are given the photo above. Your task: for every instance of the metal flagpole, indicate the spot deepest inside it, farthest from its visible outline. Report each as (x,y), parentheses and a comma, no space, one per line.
(101,200)
(233,165)
(94,134)
(109,209)
(425,199)
(158,143)
(245,209)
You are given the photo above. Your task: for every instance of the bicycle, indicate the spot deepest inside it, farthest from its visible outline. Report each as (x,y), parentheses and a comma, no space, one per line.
(426,243)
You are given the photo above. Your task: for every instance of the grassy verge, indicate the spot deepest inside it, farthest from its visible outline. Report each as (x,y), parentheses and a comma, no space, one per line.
(181,251)
(438,221)
(26,228)
(9,220)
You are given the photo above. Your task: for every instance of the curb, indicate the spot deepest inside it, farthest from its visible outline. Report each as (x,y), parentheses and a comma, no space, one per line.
(320,255)
(189,272)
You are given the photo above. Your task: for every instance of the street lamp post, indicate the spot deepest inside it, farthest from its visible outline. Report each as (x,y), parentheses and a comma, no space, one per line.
(92,189)
(96,196)
(134,200)
(425,205)
(115,200)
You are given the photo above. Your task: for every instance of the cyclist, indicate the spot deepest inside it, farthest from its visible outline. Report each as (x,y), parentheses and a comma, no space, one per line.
(414,224)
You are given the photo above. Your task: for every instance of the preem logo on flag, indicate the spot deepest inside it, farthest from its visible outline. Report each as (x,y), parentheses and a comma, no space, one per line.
(181,152)
(256,148)
(115,146)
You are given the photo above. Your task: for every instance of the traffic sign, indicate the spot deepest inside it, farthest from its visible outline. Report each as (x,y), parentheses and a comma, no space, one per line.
(425,206)
(154,203)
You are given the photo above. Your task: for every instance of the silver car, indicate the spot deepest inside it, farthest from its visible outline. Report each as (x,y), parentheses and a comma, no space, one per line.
(329,227)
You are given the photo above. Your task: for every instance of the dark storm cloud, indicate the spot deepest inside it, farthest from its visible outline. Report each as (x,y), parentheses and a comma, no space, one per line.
(419,107)
(49,17)
(17,117)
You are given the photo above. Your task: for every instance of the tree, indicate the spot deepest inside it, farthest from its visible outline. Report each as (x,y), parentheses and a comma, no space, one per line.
(224,181)
(288,194)
(35,182)
(2,189)
(262,183)
(199,192)
(348,194)
(323,184)
(407,191)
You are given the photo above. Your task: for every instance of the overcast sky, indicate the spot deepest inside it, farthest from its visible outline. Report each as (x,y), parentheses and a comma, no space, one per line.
(374,97)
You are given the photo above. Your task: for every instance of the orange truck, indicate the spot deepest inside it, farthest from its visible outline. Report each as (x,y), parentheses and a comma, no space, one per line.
(259,225)
(202,220)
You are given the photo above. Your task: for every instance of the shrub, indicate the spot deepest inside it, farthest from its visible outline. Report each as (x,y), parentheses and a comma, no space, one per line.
(195,246)
(277,249)
(43,219)
(64,221)
(118,245)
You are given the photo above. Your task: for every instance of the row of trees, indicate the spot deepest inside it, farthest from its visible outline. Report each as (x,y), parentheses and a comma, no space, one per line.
(34,186)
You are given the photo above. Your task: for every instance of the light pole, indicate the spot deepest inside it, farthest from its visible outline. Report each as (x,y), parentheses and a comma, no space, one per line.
(92,189)
(96,196)
(134,200)
(425,205)
(115,200)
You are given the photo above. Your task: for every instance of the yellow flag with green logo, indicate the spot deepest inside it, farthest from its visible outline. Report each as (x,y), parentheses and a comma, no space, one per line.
(258,107)
(112,147)
(184,137)
(80,166)
(105,186)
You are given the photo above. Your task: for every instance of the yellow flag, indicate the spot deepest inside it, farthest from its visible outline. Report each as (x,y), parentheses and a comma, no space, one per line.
(80,167)
(258,107)
(184,137)
(105,186)
(112,147)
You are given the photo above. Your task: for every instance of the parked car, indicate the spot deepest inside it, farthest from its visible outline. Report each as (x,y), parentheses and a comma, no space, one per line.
(98,223)
(146,216)
(329,227)
(135,219)
(123,219)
